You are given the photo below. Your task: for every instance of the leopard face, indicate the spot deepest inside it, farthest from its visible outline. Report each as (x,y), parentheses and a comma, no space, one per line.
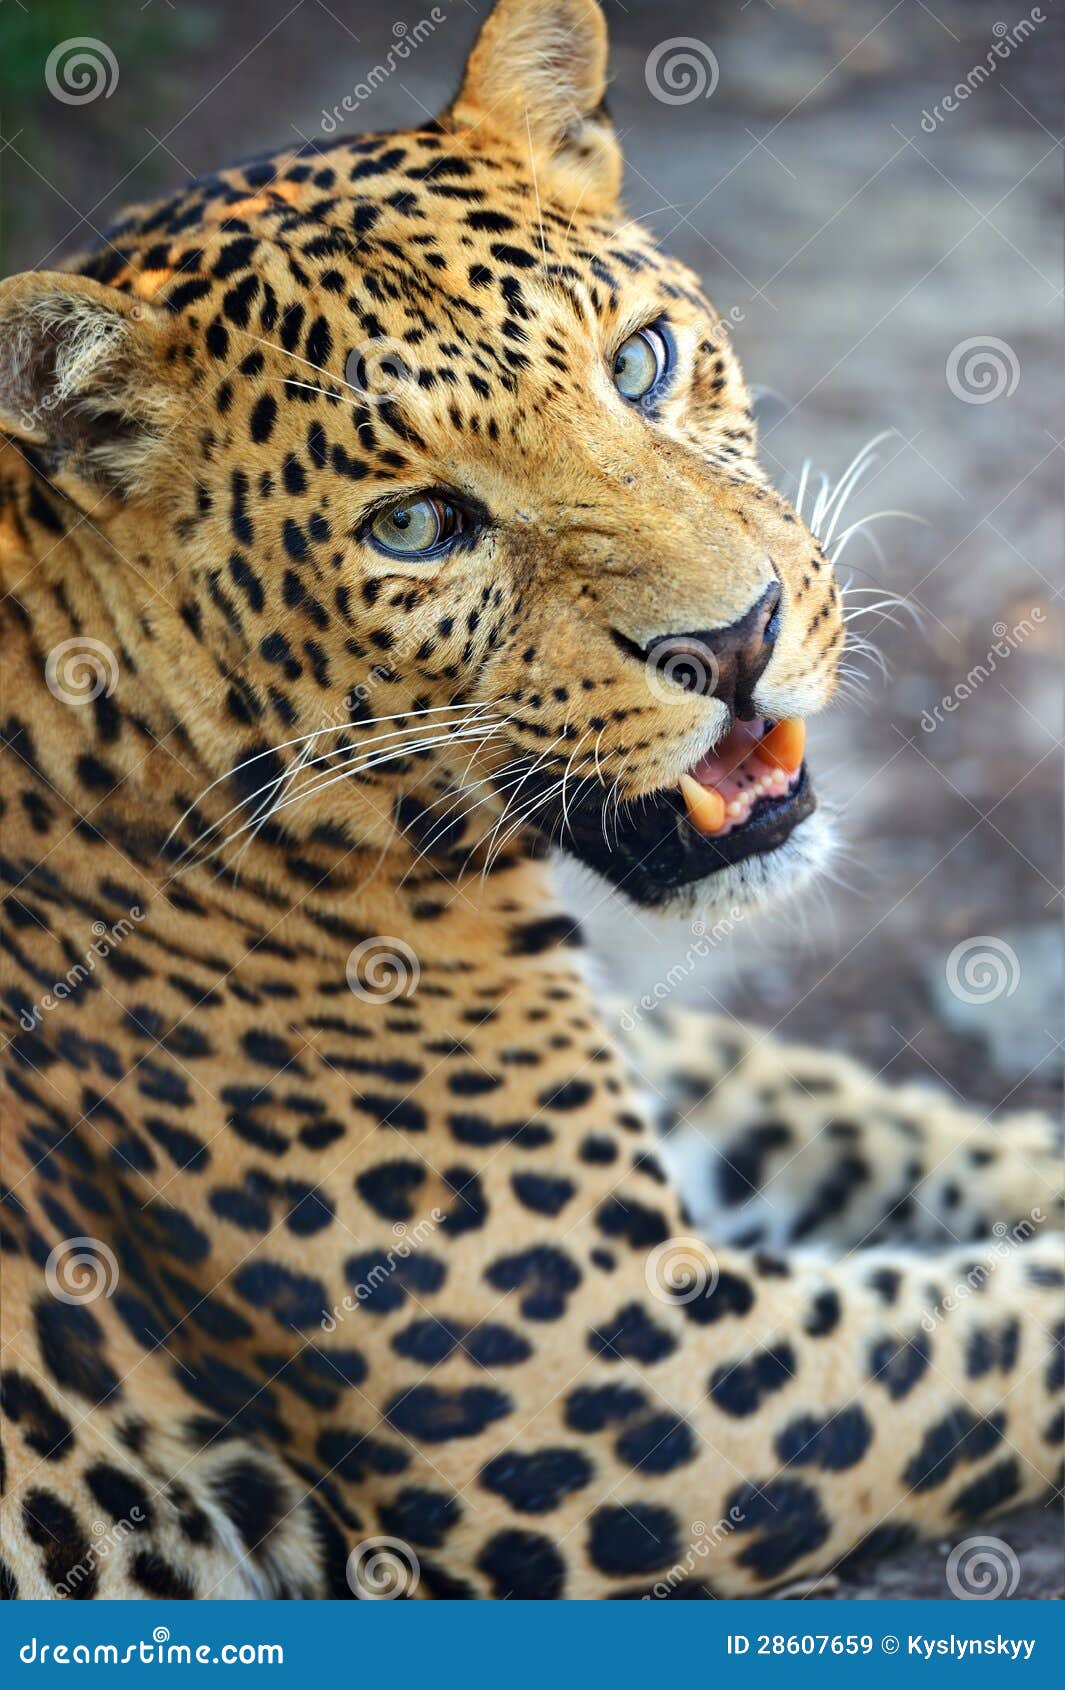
(447,466)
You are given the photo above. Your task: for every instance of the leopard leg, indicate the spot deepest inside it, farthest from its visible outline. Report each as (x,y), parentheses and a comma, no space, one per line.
(575,1401)
(118,1483)
(121,1506)
(695,1416)
(775,1144)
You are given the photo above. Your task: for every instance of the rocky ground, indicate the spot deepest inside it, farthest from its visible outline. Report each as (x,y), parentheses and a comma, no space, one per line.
(858,237)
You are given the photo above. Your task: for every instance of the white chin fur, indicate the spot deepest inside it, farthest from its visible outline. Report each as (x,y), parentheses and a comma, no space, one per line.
(758,882)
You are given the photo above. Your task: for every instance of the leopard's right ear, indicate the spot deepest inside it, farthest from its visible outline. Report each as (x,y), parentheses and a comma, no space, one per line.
(537,77)
(83,377)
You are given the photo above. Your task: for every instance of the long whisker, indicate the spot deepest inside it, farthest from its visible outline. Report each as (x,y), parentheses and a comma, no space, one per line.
(266,809)
(894,601)
(520,820)
(315,733)
(323,392)
(530,771)
(800,491)
(274,346)
(862,461)
(352,766)
(314,787)
(465,789)
(566,774)
(874,516)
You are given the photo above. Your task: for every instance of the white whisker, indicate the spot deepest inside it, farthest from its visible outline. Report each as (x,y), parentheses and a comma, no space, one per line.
(350,768)
(345,726)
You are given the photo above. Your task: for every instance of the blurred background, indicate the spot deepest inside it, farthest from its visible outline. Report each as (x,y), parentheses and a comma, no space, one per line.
(872,195)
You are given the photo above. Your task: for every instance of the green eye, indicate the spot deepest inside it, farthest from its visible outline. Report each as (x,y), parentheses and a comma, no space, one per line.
(640,363)
(416,526)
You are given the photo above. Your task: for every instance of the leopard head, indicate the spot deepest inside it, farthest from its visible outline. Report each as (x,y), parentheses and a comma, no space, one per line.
(445,483)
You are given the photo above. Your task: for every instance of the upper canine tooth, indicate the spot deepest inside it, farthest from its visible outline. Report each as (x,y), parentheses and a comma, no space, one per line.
(706,808)
(784,744)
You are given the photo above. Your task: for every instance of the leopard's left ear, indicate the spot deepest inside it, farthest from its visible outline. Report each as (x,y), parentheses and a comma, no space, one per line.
(84,378)
(537,76)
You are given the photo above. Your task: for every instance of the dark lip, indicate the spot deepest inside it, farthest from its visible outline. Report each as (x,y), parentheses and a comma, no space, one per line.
(648,848)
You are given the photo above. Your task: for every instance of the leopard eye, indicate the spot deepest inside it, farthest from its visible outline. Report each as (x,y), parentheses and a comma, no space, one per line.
(415,527)
(640,363)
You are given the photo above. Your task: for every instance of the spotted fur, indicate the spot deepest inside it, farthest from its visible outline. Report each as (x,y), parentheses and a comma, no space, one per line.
(385,1245)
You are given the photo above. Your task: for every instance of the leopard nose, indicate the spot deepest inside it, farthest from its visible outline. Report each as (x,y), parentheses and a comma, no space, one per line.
(725,663)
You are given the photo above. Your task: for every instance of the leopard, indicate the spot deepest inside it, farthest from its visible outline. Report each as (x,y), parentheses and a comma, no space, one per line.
(381,521)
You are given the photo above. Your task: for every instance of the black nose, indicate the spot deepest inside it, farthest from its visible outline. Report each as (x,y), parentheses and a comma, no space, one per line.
(725,663)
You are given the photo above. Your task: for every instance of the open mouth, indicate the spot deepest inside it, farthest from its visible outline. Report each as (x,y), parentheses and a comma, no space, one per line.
(741,799)
(756,763)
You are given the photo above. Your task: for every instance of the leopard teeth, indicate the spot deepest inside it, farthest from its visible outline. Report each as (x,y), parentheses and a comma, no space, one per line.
(706,808)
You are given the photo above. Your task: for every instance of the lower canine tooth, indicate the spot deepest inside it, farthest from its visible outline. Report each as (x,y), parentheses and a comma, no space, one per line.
(706,808)
(784,744)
